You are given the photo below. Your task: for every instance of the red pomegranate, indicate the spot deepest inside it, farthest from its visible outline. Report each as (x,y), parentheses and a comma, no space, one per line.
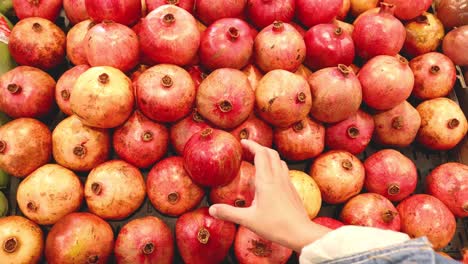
(254,75)
(304,71)
(263,13)
(443,124)
(346,27)
(65,85)
(48,9)
(209,11)
(407,10)
(227,43)
(303,140)
(336,94)
(144,240)
(398,126)
(37,42)
(165,93)
(344,10)
(373,210)
(91,233)
(251,248)
(26,92)
(60,193)
(212,157)
(352,134)
(76,51)
(452,13)
(75,10)
(169,34)
(185,4)
(279,46)
(449,183)
(225,98)
(378,33)
(425,215)
(21,239)
(25,145)
(197,74)
(314,12)
(423,34)
(144,58)
(298,27)
(183,130)
(339,175)
(454,42)
(125,12)
(202,239)
(328,45)
(170,188)
(254,129)
(386,81)
(240,192)
(328,222)
(283,98)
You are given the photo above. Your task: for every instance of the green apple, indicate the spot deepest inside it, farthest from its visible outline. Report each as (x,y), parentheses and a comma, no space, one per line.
(3,205)
(4,177)
(6,7)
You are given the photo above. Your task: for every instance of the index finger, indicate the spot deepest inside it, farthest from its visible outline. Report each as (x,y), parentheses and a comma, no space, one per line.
(252,146)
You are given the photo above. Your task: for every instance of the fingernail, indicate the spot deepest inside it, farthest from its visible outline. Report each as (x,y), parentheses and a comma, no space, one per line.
(212,211)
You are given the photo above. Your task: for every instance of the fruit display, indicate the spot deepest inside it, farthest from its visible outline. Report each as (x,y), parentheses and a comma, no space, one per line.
(127,118)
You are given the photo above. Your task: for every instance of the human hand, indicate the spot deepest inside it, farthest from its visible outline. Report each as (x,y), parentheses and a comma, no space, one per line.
(277,213)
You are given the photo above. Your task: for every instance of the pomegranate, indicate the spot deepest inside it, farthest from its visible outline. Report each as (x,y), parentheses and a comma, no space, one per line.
(227,43)
(452,13)
(104,193)
(398,126)
(344,10)
(328,222)
(464,253)
(443,124)
(75,11)
(76,51)
(254,129)
(25,145)
(225,98)
(60,193)
(314,12)
(26,92)
(93,235)
(378,33)
(303,140)
(21,240)
(352,134)
(185,4)
(279,46)
(170,188)
(169,34)
(37,42)
(48,9)
(283,98)
(308,191)
(449,183)
(425,215)
(339,175)
(165,93)
(423,34)
(254,75)
(251,248)
(112,44)
(346,27)
(328,45)
(304,71)
(209,11)
(145,240)
(102,97)
(454,42)
(144,58)
(299,28)
(407,10)
(197,74)
(125,12)
(263,13)
(202,238)
(212,157)
(386,81)
(183,130)
(240,192)
(360,6)
(65,86)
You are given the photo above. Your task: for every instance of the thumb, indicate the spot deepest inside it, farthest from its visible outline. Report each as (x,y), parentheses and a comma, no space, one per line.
(230,213)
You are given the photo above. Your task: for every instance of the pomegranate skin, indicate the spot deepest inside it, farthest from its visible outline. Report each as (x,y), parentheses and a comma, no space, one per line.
(47,9)
(212,157)
(406,10)
(373,210)
(423,34)
(304,72)
(386,81)
(314,12)
(328,45)
(425,215)
(449,183)
(344,10)
(65,85)
(25,145)
(328,222)
(185,4)
(308,192)
(26,92)
(225,98)
(75,11)
(339,175)
(197,74)
(60,193)
(352,134)
(346,27)
(170,188)
(182,131)
(125,12)
(454,42)
(303,140)
(336,93)
(360,6)
(443,124)
(254,75)
(398,126)
(93,234)
(76,51)
(264,13)
(208,11)
(37,42)
(452,13)
(22,240)
(251,248)
(202,239)
(144,240)
(283,98)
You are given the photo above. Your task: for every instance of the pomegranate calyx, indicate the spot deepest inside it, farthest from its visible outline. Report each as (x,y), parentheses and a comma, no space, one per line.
(244,134)
(278,26)
(203,235)
(147,136)
(260,249)
(65,94)
(345,70)
(388,216)
(172,2)
(37,27)
(301,97)
(166,81)
(397,122)
(197,117)
(173,197)
(225,106)
(239,203)
(347,164)
(206,132)
(298,126)
(422,19)
(96,188)
(10,245)
(453,123)
(148,248)
(92,259)
(80,151)
(338,31)
(393,189)
(233,33)
(3,145)
(435,69)
(168,19)
(387,8)
(465,207)
(103,78)
(402,59)
(14,88)
(32,206)
(353,132)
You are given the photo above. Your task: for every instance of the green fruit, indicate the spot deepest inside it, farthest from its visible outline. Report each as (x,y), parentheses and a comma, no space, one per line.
(4,178)
(6,6)
(3,205)
(6,61)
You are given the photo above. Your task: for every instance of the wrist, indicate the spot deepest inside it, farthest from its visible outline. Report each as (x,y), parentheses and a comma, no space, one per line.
(306,234)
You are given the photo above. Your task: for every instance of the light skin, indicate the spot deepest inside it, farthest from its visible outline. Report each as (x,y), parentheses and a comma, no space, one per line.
(277,213)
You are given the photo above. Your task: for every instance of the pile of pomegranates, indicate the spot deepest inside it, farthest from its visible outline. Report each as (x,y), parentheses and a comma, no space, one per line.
(140,106)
